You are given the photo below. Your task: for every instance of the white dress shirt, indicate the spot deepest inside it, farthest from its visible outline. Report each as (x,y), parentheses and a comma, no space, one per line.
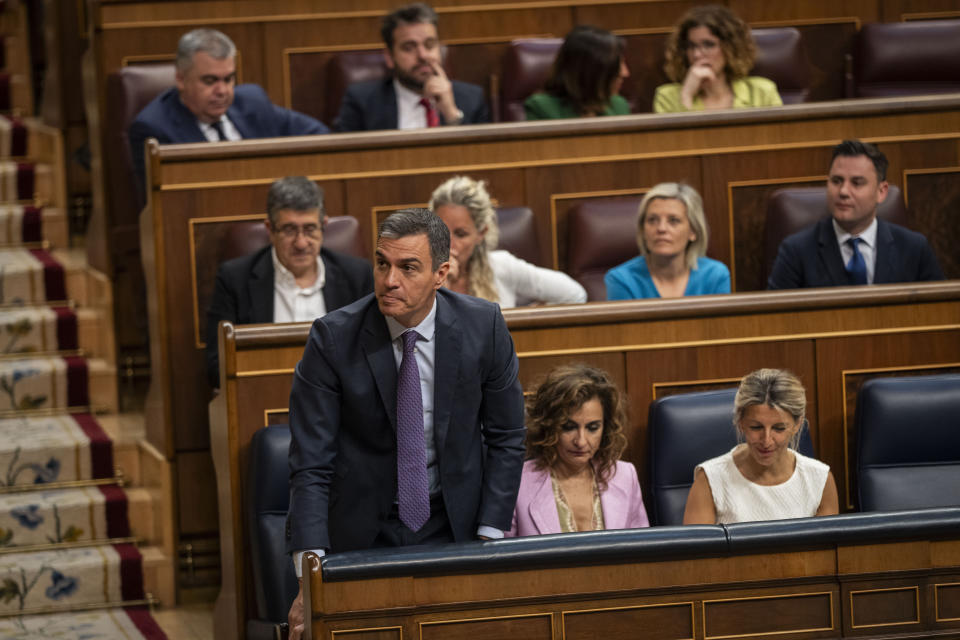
(229,130)
(291,303)
(410,113)
(868,247)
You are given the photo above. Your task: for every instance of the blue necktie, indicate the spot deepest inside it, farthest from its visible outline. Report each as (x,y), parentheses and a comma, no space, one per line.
(412,486)
(857,268)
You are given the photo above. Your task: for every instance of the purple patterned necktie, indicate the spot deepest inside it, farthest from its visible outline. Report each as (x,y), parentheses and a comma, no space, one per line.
(412,492)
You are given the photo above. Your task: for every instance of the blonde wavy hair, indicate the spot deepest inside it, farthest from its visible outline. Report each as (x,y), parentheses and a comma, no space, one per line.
(472,194)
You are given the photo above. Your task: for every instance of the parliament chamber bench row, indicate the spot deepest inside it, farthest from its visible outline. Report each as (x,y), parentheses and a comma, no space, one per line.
(658,352)
(900,468)
(734,159)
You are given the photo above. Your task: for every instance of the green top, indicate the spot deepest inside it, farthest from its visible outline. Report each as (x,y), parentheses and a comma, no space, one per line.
(543,106)
(752,91)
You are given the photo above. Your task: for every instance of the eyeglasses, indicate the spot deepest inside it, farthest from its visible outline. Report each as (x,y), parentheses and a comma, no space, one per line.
(291,231)
(707,46)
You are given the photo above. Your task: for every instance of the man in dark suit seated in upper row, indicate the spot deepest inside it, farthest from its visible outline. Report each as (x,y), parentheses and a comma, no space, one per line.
(294,279)
(852,246)
(418,94)
(206,105)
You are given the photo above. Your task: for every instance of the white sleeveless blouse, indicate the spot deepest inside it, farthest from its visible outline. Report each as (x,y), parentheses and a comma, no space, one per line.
(739,500)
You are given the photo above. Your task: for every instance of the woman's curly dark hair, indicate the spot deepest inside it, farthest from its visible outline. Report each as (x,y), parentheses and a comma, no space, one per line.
(736,41)
(585,67)
(562,392)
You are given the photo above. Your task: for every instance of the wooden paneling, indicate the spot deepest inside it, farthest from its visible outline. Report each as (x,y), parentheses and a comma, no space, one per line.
(652,349)
(810,613)
(933,198)
(672,621)
(787,593)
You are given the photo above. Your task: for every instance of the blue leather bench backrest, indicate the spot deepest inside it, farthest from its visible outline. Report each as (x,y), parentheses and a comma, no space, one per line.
(908,443)
(267,498)
(686,430)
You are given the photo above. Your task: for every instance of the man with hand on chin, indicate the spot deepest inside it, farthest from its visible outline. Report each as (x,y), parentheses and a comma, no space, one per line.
(418,93)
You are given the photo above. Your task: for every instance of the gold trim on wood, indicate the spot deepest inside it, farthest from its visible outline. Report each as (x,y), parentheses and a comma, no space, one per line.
(521,164)
(269,412)
(929,15)
(125,61)
(721,342)
(690,604)
(605,193)
(264,372)
(919,172)
(843,397)
(808,22)
(198,340)
(691,383)
(936,601)
(336,633)
(916,593)
(421,625)
(703,615)
(753,183)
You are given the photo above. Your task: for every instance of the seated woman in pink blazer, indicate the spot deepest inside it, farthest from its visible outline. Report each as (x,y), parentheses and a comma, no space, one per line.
(574,480)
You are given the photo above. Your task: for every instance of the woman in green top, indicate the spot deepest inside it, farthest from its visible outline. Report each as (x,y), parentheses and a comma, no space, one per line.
(585,79)
(708,56)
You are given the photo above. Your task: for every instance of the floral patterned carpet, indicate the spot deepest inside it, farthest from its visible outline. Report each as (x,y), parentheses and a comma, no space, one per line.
(70,567)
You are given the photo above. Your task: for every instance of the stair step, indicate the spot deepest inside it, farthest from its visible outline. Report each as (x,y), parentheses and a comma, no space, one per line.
(44,331)
(33,227)
(28,182)
(43,277)
(37,450)
(130,623)
(67,516)
(67,578)
(56,383)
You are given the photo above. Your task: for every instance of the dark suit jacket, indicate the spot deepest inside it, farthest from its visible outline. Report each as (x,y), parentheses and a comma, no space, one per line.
(343,462)
(369,106)
(811,258)
(252,113)
(243,293)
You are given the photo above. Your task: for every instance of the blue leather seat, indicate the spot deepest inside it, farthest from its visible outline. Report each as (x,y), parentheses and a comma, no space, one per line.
(908,443)
(267,498)
(686,430)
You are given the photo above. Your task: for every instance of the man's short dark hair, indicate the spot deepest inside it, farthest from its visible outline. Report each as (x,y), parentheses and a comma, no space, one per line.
(296,193)
(412,222)
(415,13)
(215,44)
(853,148)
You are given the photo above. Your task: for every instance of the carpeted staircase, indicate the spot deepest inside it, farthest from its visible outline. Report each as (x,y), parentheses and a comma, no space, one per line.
(85,532)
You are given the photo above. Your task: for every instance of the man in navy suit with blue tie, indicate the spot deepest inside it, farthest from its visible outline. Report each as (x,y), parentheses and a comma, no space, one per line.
(207,106)
(852,246)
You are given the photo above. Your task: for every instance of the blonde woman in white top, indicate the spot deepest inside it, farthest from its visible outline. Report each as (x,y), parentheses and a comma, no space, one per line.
(477,267)
(763,477)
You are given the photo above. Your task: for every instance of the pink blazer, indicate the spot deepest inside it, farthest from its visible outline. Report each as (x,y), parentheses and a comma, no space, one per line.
(536,511)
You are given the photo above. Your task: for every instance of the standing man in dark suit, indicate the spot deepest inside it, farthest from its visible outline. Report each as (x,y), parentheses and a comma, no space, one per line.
(852,246)
(206,105)
(418,94)
(294,279)
(406,414)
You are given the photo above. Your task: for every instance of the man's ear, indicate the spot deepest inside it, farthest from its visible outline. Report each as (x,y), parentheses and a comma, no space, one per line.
(388,58)
(442,275)
(882,190)
(178,79)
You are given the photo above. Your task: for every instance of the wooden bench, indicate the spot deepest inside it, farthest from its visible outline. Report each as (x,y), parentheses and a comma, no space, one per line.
(890,575)
(834,339)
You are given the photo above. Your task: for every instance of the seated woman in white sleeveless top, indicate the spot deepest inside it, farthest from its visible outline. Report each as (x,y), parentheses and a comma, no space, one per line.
(763,477)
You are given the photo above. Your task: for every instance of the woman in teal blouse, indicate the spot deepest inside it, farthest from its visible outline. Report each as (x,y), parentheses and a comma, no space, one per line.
(672,236)
(709,55)
(585,79)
